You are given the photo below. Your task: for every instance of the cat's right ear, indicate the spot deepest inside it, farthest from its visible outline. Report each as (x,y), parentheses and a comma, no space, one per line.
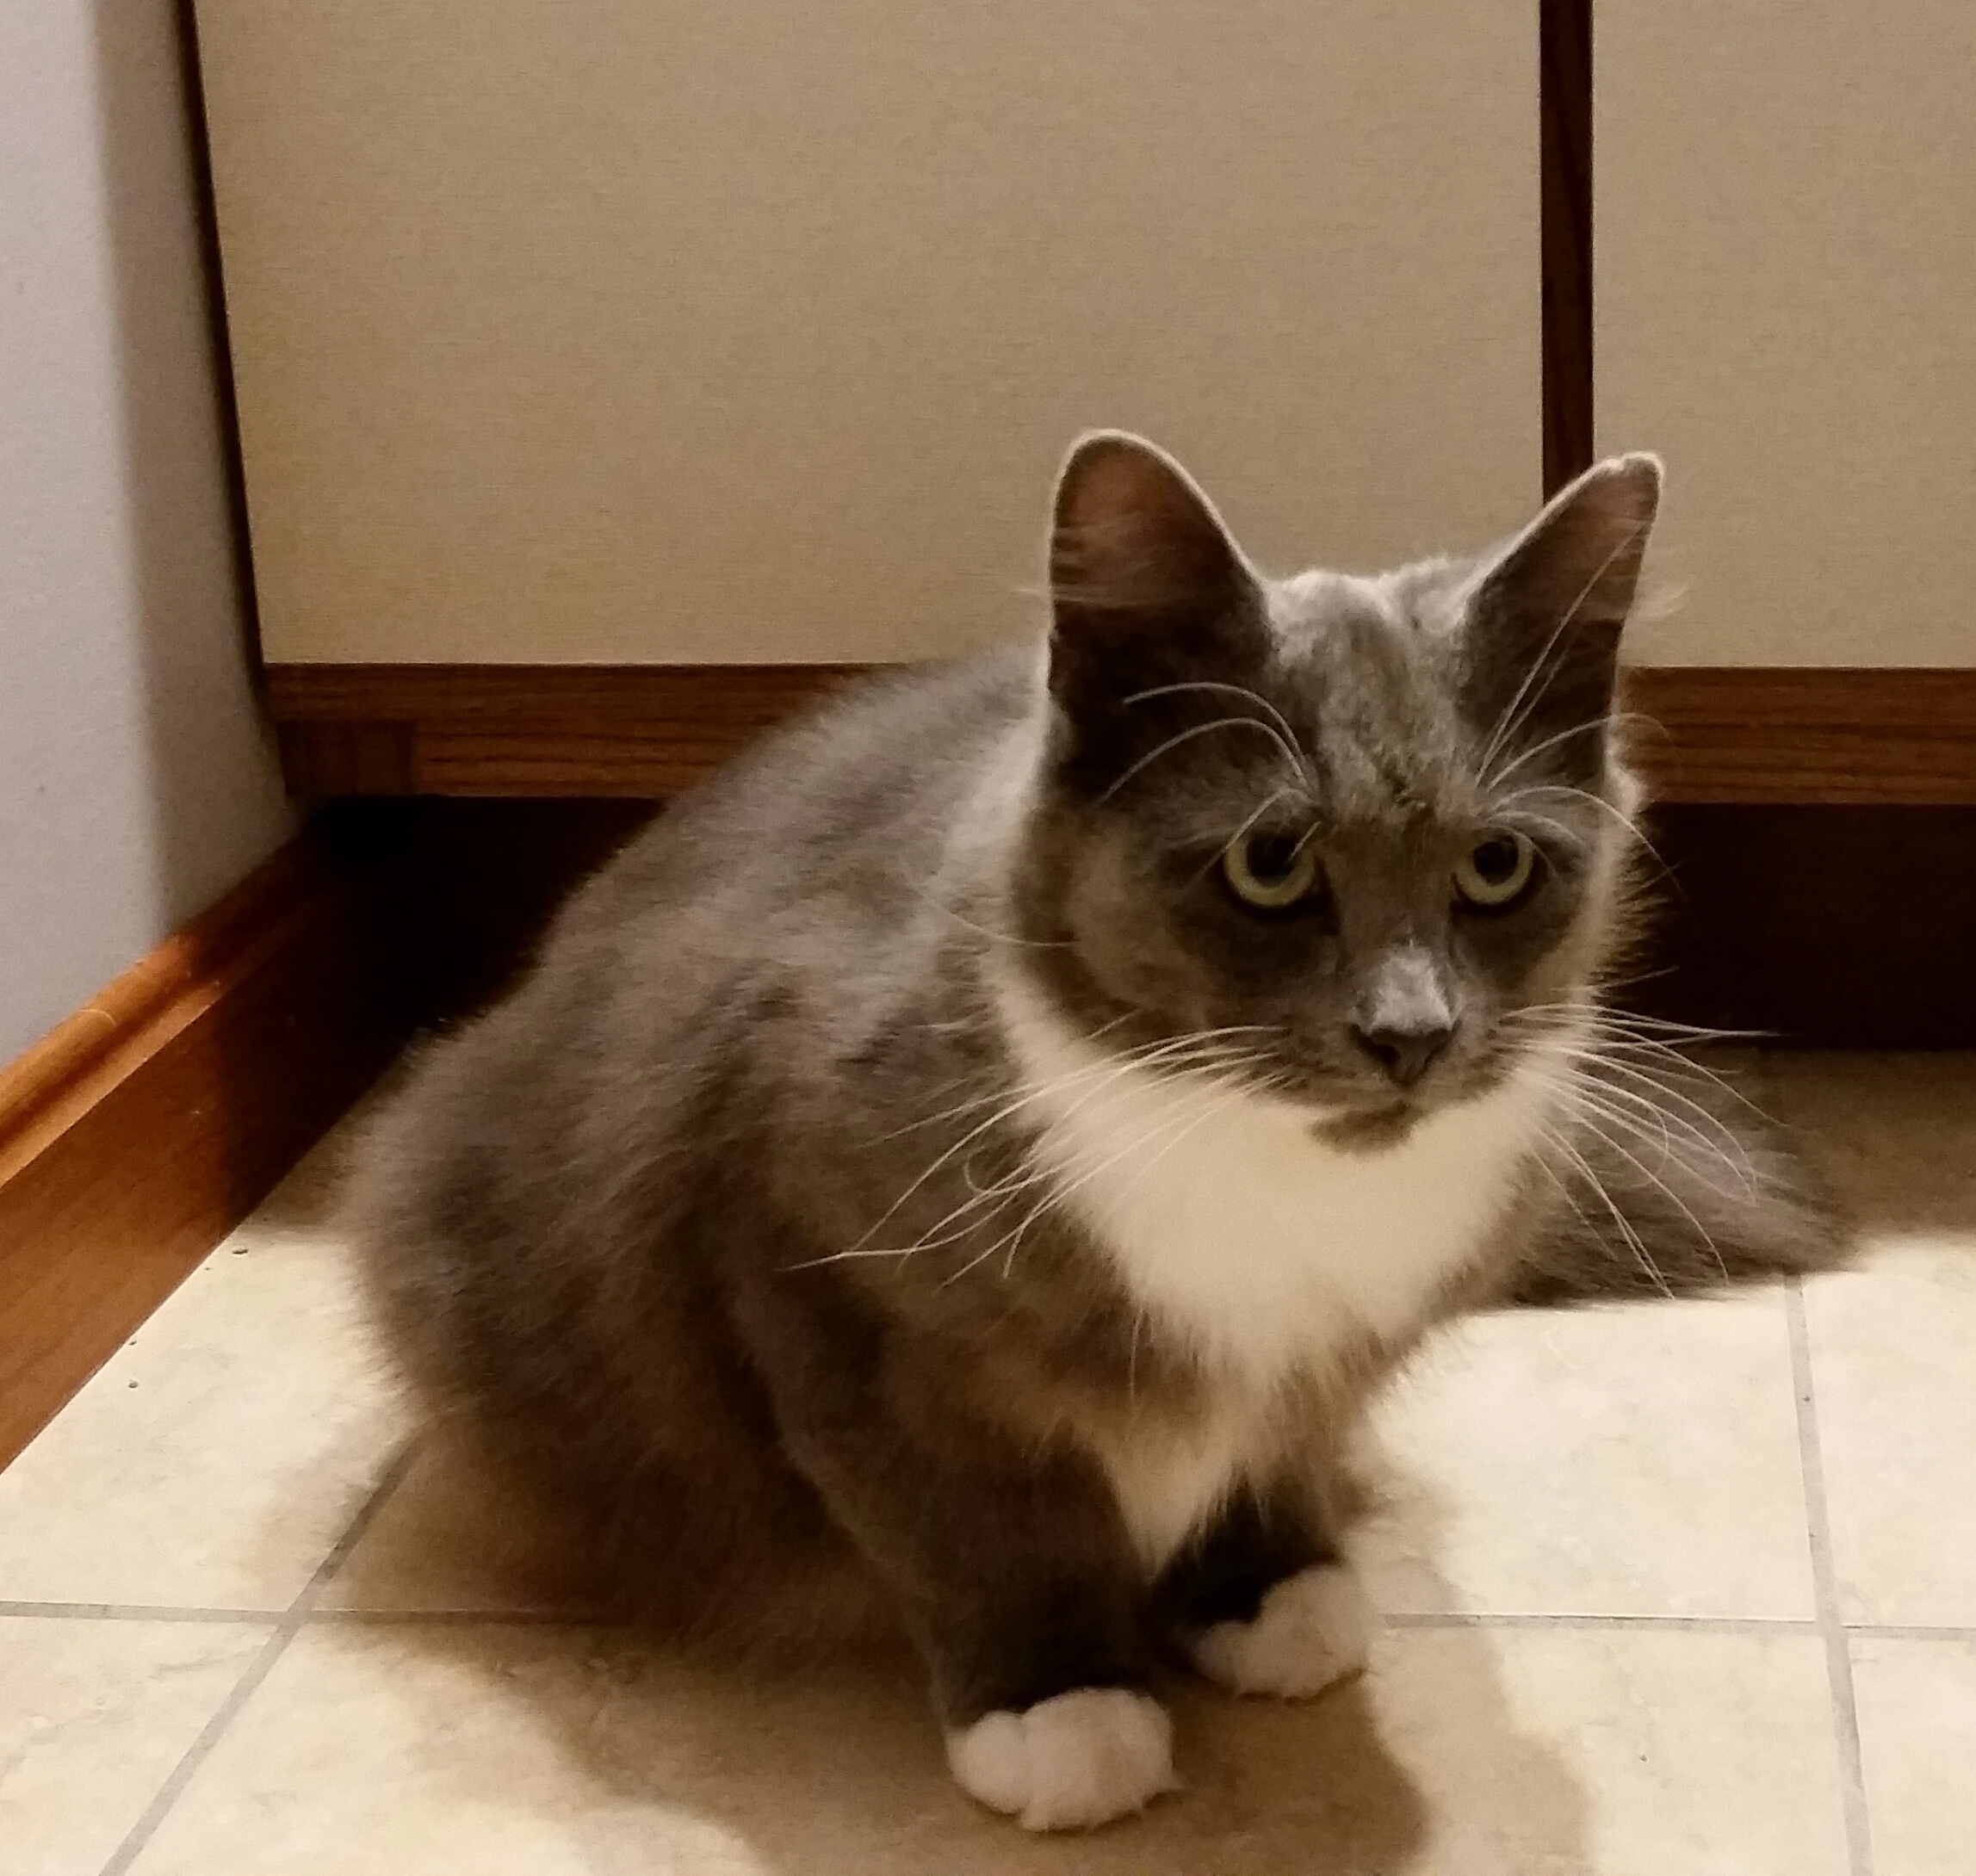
(1144,576)
(1544,617)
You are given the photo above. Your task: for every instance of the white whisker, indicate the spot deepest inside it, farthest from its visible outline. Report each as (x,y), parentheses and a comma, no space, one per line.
(1647,1173)
(1178,1054)
(1609,718)
(1631,829)
(1641,1255)
(1187,735)
(1291,748)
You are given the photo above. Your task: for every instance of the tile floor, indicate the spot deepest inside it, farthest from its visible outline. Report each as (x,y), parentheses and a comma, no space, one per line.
(1666,1590)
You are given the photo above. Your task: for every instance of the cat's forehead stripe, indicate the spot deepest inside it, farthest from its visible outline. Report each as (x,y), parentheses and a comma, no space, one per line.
(1357,680)
(1313,607)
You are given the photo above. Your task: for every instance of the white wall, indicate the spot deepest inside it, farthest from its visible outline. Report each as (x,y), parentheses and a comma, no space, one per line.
(136,784)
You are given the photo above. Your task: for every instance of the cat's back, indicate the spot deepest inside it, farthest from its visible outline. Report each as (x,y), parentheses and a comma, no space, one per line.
(861,794)
(530,1211)
(792,877)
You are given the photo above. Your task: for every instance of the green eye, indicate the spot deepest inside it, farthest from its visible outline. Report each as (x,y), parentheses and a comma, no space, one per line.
(1497,871)
(1271,871)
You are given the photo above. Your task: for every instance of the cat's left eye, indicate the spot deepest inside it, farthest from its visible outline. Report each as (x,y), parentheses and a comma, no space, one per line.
(1497,871)
(1271,871)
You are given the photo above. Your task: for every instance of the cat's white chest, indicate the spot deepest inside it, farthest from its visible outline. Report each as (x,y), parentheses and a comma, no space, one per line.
(1260,1249)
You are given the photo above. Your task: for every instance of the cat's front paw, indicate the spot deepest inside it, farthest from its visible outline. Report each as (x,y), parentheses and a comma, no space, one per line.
(1080,1759)
(1311,1631)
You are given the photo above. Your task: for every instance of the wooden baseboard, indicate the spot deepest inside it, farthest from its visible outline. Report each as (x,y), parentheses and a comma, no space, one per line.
(1807,736)
(150,1123)
(135,1136)
(140,1132)
(1782,736)
(525,730)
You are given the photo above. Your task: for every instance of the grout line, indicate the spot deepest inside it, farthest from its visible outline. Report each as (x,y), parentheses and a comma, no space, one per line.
(389,1481)
(134,1612)
(180,1776)
(289,1625)
(1398,1618)
(1825,1584)
(1682,1624)
(575,1619)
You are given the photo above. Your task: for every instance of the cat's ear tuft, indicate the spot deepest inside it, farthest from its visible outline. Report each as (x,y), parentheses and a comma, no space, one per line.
(1579,561)
(1544,615)
(1140,563)
(1132,532)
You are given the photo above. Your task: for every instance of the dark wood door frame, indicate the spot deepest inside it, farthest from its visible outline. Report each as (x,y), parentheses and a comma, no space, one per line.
(1564,137)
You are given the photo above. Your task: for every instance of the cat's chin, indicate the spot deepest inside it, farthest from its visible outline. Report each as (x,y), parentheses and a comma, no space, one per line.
(1368,1129)
(1381,1118)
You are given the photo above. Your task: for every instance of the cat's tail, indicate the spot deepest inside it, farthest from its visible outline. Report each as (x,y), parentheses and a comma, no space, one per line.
(1671,1184)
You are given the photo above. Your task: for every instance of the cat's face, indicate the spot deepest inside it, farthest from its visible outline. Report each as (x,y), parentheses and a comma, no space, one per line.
(1363,838)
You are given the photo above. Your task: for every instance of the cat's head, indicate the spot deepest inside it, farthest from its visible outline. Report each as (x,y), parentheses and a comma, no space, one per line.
(1368,835)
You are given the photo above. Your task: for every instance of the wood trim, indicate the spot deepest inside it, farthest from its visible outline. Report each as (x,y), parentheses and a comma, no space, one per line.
(138,1133)
(1565,161)
(638,730)
(1814,735)
(145,1127)
(1807,736)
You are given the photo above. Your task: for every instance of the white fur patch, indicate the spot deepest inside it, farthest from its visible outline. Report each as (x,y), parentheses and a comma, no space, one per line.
(1080,1759)
(1313,1631)
(1167,1479)
(1260,1248)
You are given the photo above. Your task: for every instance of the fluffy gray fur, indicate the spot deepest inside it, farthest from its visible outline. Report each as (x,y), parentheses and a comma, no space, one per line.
(724,1241)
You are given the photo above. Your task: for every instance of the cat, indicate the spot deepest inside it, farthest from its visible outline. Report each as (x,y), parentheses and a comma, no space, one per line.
(967,1165)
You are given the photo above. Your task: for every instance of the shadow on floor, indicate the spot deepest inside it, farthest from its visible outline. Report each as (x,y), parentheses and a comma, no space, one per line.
(679,1764)
(1895,1136)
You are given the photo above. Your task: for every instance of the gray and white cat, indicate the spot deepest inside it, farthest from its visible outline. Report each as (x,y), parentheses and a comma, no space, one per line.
(969,1164)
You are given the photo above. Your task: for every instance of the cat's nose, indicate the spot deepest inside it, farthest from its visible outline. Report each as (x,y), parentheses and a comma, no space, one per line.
(1405,1054)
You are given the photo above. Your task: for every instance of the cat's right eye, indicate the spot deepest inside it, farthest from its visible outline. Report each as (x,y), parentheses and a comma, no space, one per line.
(1272,872)
(1496,871)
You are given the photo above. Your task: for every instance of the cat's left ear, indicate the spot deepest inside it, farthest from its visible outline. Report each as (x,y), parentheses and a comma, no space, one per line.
(1145,577)
(1543,618)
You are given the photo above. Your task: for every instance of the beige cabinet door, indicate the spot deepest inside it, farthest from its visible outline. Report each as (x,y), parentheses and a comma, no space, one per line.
(1786,306)
(673,331)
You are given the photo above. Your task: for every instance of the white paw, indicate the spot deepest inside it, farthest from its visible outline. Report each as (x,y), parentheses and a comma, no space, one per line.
(1311,1631)
(1065,1764)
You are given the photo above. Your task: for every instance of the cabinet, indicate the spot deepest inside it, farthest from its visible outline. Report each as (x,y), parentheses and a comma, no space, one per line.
(611,378)
(686,332)
(1785,296)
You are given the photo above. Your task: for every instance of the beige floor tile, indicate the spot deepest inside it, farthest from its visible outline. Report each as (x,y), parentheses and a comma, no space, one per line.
(1890,1349)
(218,1456)
(1917,1737)
(93,1716)
(1466,1753)
(1591,1753)
(1642,1460)
(1897,1135)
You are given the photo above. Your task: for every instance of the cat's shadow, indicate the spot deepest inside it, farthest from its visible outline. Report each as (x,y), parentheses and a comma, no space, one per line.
(675,1765)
